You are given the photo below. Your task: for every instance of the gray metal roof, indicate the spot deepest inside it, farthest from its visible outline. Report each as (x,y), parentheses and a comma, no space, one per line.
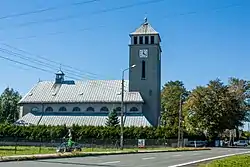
(91,91)
(145,28)
(80,119)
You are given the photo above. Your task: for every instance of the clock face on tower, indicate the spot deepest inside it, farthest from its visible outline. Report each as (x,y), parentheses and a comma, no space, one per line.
(143,53)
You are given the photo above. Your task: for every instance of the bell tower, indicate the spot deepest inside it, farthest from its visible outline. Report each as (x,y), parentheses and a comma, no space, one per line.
(145,53)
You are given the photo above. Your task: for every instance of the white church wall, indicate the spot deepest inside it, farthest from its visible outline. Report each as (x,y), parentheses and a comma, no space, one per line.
(26,108)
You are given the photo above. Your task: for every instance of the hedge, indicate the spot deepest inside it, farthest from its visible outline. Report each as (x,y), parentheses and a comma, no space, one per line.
(83,132)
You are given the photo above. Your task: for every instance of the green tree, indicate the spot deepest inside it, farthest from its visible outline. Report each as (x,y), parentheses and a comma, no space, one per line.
(238,88)
(170,104)
(213,109)
(9,105)
(112,119)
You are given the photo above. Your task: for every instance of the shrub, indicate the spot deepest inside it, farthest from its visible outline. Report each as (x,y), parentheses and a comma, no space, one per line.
(47,133)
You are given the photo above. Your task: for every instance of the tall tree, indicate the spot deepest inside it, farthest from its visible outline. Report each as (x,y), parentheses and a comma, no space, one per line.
(195,107)
(238,88)
(170,104)
(112,119)
(9,105)
(213,109)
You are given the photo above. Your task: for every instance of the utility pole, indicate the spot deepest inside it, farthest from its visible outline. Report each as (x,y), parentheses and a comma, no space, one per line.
(122,111)
(41,115)
(181,103)
(122,106)
(180,120)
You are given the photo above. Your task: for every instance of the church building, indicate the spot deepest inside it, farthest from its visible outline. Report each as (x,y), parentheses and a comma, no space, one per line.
(89,102)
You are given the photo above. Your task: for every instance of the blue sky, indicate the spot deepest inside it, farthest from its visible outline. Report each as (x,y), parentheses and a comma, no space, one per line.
(199,43)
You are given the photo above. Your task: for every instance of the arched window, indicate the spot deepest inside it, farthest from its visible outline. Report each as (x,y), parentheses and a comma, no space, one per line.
(90,109)
(76,109)
(62,109)
(134,109)
(104,109)
(34,109)
(118,109)
(49,109)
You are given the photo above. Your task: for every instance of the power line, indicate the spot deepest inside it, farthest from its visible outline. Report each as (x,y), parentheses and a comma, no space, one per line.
(56,33)
(48,71)
(78,70)
(32,60)
(41,63)
(31,66)
(18,62)
(79,16)
(70,68)
(38,62)
(46,9)
(195,12)
(101,26)
(15,65)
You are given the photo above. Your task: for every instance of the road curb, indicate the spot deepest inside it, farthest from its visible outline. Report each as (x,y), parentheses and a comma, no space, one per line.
(85,154)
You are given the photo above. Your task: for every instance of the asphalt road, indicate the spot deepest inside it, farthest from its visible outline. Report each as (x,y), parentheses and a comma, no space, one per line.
(130,160)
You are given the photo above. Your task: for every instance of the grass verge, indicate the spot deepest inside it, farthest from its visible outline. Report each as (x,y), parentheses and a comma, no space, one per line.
(25,150)
(234,161)
(32,153)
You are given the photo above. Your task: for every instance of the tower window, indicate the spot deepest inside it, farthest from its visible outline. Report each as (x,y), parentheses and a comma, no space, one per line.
(140,40)
(152,38)
(135,40)
(143,72)
(146,40)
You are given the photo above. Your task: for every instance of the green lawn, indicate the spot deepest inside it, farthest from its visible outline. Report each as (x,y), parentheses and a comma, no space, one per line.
(234,161)
(22,150)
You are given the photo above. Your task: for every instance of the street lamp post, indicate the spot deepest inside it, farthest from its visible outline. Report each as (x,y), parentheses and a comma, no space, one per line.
(122,105)
(180,121)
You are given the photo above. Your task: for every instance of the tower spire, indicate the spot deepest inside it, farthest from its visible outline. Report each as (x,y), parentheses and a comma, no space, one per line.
(145,28)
